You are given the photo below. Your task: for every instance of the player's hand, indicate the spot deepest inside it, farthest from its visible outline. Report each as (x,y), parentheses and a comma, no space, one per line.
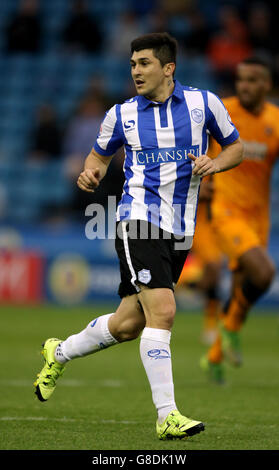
(89,180)
(203,165)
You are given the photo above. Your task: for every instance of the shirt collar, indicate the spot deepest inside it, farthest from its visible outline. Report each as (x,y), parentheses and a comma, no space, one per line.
(177,94)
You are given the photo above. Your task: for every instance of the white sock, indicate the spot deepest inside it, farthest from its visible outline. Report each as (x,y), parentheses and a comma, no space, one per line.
(94,337)
(156,358)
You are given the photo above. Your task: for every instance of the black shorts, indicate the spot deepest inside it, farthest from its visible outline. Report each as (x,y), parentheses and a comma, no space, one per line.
(148,256)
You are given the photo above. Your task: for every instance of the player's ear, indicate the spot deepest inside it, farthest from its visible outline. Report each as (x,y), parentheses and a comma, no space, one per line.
(169,69)
(269,85)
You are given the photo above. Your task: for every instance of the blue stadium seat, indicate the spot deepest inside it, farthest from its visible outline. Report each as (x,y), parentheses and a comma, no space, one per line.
(196,72)
(49,62)
(8,7)
(12,147)
(55,77)
(21,63)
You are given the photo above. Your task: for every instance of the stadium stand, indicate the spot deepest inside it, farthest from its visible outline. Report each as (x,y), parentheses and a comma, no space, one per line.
(56,76)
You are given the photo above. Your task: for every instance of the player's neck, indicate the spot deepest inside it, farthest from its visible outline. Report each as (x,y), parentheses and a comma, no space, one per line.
(255,109)
(161,94)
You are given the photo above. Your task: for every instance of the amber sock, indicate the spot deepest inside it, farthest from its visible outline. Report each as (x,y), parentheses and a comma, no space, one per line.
(234,315)
(211,313)
(232,318)
(215,353)
(236,311)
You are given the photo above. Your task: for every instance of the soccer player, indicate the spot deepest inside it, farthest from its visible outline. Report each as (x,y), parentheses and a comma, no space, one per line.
(164,132)
(240,209)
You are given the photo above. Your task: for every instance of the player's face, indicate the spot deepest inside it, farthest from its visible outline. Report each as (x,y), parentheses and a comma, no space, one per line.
(252,85)
(148,74)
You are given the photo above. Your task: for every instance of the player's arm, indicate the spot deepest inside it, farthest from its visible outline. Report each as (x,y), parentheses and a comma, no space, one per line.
(95,168)
(221,128)
(230,156)
(109,140)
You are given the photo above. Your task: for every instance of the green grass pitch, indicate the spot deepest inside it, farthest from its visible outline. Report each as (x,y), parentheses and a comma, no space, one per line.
(103,402)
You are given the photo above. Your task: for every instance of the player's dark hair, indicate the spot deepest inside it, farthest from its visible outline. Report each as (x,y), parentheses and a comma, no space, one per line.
(163,45)
(254,60)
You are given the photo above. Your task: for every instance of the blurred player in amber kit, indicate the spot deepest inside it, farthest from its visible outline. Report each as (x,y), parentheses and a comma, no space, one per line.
(240,208)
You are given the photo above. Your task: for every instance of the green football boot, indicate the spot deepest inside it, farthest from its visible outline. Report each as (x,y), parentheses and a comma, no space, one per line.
(214,370)
(52,370)
(177,426)
(231,347)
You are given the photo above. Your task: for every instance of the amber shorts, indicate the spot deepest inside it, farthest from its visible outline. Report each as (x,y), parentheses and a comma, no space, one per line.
(205,245)
(238,231)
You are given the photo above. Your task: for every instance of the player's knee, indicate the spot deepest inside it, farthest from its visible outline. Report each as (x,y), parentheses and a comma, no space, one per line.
(164,316)
(210,277)
(269,275)
(170,314)
(264,276)
(129,329)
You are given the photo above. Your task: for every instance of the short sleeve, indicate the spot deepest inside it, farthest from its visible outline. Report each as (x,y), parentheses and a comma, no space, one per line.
(219,122)
(110,137)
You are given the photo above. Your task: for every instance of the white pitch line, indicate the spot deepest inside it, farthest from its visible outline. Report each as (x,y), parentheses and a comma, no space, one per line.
(111,383)
(64,420)
(28,383)
(108,383)
(34,418)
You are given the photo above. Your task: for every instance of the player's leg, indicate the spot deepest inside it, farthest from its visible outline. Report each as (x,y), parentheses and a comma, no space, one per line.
(211,363)
(242,237)
(102,332)
(257,271)
(250,282)
(146,268)
(159,308)
(209,285)
(128,321)
(208,252)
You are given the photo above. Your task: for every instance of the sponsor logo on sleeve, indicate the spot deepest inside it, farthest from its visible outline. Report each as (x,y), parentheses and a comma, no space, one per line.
(129,125)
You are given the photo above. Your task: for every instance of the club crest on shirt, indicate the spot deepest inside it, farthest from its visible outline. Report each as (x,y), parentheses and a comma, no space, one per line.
(144,276)
(197,115)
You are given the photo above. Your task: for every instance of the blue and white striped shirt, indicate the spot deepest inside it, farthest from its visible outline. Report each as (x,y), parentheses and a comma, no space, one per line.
(159,185)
